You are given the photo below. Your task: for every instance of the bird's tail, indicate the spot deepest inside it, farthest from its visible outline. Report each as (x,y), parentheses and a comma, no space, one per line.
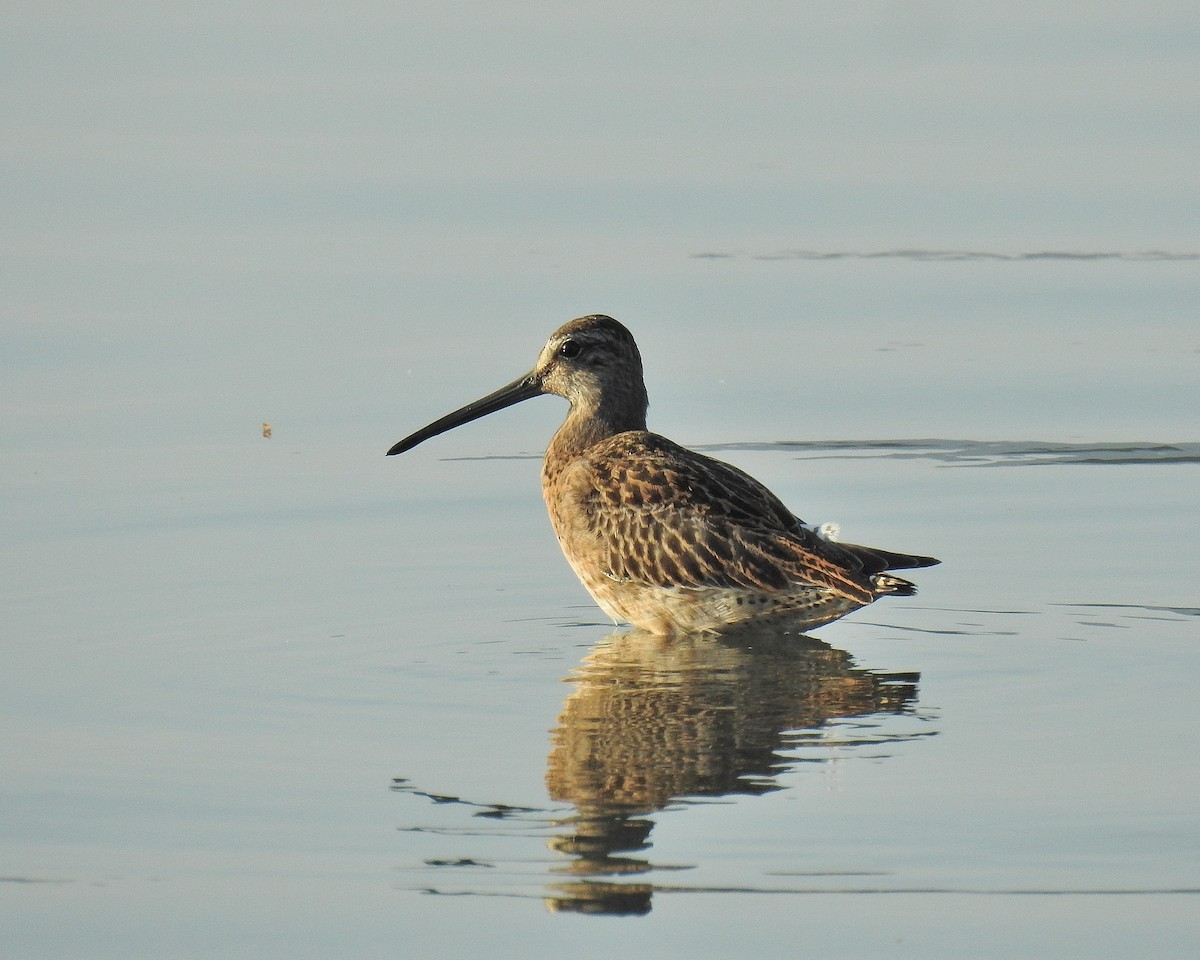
(895,586)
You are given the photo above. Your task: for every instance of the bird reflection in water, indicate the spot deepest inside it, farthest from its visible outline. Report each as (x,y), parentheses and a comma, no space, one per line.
(655,720)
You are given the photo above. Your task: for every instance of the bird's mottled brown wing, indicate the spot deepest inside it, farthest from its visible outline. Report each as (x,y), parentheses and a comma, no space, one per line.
(661,514)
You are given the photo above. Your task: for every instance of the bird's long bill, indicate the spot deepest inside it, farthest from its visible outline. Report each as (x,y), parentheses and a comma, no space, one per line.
(521,389)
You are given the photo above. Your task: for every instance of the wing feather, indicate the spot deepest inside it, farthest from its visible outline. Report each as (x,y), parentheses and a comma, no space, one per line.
(664,515)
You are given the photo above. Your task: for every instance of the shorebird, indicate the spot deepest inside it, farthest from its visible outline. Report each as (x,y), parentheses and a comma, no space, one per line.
(662,537)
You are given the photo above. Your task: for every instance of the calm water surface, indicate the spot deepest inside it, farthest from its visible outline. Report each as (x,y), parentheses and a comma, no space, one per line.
(353,724)
(927,271)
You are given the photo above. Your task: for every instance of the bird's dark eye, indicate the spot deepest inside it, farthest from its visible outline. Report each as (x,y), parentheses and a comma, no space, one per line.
(570,349)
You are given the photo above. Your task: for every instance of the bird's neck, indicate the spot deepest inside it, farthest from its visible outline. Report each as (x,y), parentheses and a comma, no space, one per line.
(587,425)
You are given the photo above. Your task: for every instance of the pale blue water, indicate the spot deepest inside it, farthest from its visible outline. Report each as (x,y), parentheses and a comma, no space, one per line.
(929,272)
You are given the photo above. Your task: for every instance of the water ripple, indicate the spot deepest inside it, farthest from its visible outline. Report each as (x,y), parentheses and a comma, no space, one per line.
(1136,256)
(983,453)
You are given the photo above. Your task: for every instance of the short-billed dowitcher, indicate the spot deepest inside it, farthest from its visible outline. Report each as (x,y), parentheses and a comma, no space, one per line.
(662,537)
